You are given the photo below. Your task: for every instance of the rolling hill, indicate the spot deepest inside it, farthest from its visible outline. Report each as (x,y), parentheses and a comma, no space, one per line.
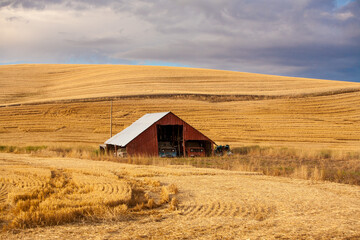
(60,113)
(44,104)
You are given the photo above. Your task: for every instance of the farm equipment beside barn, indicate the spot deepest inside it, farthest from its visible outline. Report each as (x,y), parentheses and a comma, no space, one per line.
(221,150)
(195,152)
(195,149)
(166,149)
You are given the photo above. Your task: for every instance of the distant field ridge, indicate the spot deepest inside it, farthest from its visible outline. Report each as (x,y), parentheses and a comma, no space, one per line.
(189,96)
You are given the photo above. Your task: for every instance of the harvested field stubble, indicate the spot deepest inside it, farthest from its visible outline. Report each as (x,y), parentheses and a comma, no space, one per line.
(319,122)
(291,119)
(204,203)
(282,126)
(34,196)
(264,110)
(325,123)
(45,82)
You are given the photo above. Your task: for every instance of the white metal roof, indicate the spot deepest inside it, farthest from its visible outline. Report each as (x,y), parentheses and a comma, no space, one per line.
(128,134)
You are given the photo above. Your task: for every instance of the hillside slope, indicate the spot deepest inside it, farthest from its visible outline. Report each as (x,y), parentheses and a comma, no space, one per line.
(292,112)
(43,82)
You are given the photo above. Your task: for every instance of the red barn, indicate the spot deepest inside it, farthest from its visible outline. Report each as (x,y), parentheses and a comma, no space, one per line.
(160,134)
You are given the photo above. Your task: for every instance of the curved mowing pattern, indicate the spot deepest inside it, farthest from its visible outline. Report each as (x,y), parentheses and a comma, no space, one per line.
(27,182)
(101,187)
(24,180)
(62,197)
(226,209)
(105,188)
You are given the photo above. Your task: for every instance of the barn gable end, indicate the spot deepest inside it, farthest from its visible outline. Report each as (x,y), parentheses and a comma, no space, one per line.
(158,131)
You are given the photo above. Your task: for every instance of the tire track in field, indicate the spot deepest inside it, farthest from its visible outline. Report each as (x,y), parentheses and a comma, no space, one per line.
(101,186)
(225,209)
(29,182)
(23,183)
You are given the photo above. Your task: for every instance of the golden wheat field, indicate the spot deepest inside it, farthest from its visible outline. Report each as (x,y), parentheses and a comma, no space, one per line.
(294,127)
(120,201)
(229,107)
(44,82)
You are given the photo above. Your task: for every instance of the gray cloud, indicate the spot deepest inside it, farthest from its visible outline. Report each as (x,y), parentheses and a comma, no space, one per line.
(99,41)
(310,38)
(28,3)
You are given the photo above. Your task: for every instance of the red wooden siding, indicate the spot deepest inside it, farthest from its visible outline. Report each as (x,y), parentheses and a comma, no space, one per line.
(146,143)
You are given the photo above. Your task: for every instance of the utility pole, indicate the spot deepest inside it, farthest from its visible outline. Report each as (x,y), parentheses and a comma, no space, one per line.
(111,118)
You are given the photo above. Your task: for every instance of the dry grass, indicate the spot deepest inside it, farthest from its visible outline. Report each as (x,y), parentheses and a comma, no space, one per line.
(325,165)
(209,203)
(39,196)
(322,165)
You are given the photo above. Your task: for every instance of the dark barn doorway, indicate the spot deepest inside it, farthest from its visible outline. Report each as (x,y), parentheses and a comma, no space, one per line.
(170,140)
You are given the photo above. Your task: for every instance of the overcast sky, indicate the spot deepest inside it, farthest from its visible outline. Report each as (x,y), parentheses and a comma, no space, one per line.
(306,38)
